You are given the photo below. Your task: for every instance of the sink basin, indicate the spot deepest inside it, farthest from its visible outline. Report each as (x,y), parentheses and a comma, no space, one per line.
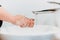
(38,32)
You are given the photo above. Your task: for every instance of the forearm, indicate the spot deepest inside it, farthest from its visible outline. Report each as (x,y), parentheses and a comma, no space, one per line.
(8,18)
(5,16)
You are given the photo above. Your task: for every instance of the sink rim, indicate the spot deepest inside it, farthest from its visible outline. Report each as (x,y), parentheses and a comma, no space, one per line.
(41,33)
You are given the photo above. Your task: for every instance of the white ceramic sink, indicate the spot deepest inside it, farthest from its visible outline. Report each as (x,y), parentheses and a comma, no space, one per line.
(38,32)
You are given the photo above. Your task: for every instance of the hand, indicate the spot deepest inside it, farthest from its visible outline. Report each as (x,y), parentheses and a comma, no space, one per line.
(23,21)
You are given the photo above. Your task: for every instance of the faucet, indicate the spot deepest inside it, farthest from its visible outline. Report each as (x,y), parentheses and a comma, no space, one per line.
(42,12)
(54,3)
(46,10)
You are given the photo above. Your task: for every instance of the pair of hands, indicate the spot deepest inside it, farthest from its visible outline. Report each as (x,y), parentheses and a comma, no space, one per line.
(23,21)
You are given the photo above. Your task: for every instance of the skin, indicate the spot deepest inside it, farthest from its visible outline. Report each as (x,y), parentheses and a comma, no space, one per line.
(19,20)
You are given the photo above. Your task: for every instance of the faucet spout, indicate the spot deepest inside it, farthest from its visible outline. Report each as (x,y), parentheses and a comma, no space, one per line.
(54,3)
(46,10)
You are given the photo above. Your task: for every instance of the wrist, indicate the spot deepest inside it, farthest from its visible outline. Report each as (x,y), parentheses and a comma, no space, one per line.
(18,19)
(12,20)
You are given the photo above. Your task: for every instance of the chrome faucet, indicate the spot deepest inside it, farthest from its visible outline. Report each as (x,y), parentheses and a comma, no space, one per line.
(54,2)
(52,10)
(46,10)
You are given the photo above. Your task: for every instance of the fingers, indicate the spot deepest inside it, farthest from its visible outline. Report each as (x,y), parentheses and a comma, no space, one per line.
(30,23)
(27,23)
(23,25)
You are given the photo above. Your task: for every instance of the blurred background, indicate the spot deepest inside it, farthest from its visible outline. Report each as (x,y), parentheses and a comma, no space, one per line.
(25,7)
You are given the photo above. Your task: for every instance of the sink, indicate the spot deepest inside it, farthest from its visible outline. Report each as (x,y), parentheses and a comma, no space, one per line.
(38,32)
